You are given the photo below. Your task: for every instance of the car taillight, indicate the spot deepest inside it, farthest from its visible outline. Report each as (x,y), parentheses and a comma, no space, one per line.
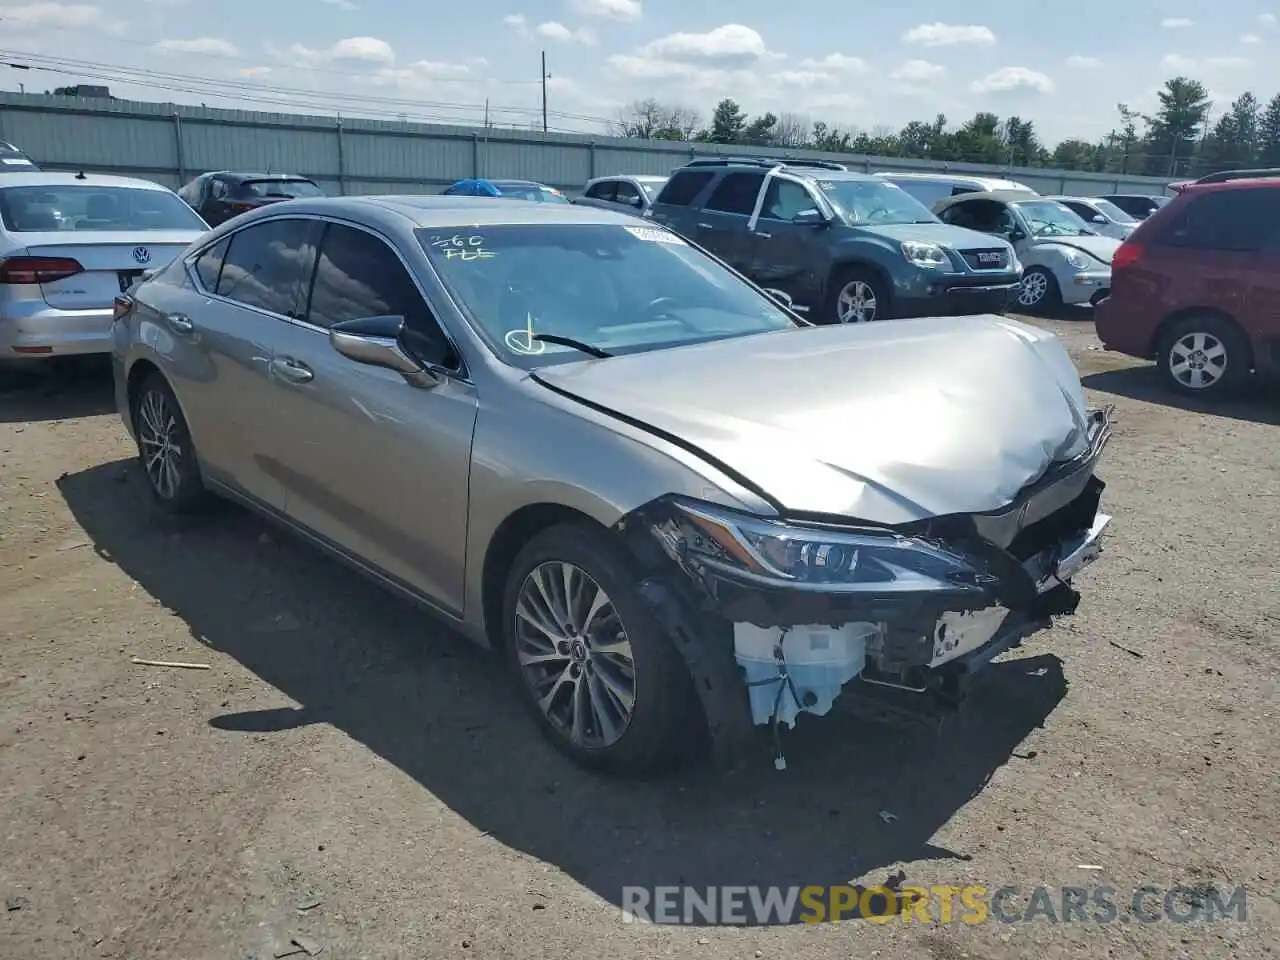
(120,307)
(1127,255)
(38,269)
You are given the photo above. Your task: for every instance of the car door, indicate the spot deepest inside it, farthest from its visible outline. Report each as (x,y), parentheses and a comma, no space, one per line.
(247,288)
(789,256)
(627,197)
(370,463)
(214,206)
(722,221)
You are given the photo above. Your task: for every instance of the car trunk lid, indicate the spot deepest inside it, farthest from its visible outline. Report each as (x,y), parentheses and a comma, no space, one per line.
(109,262)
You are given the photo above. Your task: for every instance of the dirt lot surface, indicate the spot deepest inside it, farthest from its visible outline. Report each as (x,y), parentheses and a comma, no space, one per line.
(346,756)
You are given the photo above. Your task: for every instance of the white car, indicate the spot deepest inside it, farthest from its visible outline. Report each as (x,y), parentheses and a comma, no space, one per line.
(70,243)
(1102,215)
(929,188)
(1065,260)
(625,192)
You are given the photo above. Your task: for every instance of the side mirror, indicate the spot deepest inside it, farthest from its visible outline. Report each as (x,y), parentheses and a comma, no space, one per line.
(781,296)
(1015,235)
(378,342)
(1098,218)
(810,218)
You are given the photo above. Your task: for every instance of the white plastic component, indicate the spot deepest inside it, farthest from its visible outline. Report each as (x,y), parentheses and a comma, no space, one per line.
(956,634)
(819,660)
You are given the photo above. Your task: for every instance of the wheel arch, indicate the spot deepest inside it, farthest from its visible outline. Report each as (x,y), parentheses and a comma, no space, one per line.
(1186,313)
(854,262)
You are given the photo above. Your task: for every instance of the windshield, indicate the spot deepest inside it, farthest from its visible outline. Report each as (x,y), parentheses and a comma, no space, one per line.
(532,192)
(870,202)
(1049,219)
(76,208)
(621,289)
(1114,212)
(261,189)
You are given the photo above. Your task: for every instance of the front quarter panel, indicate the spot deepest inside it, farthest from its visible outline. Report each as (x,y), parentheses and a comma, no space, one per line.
(534,447)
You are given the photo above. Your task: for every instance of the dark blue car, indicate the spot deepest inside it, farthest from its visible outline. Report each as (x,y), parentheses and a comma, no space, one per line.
(520,189)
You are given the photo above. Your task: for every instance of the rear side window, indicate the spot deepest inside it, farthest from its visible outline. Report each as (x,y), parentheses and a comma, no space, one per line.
(602,191)
(266,263)
(209,264)
(683,186)
(1238,221)
(736,193)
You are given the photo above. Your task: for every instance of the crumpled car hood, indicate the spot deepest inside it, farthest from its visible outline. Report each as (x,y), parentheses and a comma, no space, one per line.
(1102,248)
(888,423)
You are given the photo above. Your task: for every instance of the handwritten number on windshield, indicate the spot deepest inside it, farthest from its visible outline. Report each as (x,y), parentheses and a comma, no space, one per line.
(463,248)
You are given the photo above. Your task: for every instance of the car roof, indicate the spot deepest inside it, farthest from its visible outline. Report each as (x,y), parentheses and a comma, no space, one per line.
(243,175)
(992,184)
(1062,196)
(630,176)
(47,178)
(1242,183)
(1003,196)
(445,211)
(514,183)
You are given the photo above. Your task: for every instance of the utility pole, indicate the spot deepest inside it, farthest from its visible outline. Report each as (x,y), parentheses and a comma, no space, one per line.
(544,91)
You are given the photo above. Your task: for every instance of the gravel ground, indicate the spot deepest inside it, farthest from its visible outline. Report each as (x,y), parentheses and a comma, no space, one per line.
(346,755)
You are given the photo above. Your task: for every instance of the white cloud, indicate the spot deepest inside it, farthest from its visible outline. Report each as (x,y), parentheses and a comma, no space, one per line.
(1176,61)
(627,10)
(918,71)
(364,49)
(554,30)
(948,35)
(836,63)
(1078,62)
(1268,19)
(341,4)
(514,20)
(1177,23)
(417,76)
(207,46)
(51,15)
(801,78)
(1009,79)
(730,43)
(1250,38)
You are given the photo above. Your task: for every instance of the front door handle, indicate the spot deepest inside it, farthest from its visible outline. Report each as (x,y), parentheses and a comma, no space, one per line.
(179,323)
(767,236)
(286,368)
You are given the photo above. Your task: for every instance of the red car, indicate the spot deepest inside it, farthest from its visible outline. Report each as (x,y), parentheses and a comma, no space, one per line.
(1196,287)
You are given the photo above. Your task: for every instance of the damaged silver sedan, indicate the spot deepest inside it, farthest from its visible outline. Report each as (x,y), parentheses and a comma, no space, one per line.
(684,515)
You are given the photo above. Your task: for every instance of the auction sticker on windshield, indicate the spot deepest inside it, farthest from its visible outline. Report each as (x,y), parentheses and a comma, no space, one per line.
(653,235)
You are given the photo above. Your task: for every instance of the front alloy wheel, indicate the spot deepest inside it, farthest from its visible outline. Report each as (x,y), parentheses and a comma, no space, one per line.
(1038,289)
(575,655)
(857,303)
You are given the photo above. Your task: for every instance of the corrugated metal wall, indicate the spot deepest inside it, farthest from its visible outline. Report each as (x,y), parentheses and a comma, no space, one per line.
(170,144)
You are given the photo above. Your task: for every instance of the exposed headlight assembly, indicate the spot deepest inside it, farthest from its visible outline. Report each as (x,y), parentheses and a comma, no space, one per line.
(835,561)
(922,254)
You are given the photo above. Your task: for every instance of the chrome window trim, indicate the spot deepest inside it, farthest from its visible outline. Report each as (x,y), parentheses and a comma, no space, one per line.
(461,374)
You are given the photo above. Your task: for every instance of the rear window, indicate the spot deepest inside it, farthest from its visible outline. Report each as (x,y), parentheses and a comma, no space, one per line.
(1239,221)
(74,208)
(683,186)
(264,189)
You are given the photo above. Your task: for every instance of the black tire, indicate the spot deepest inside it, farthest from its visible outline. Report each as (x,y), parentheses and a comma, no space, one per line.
(660,729)
(1224,356)
(1049,301)
(853,275)
(155,409)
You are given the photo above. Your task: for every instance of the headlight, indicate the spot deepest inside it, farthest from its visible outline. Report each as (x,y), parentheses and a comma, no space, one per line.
(925,254)
(780,554)
(1077,260)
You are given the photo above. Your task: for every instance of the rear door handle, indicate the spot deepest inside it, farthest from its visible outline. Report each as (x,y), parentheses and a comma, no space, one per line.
(286,368)
(761,233)
(705,226)
(179,323)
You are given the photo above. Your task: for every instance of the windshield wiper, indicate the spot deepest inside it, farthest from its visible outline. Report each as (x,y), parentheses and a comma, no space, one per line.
(570,342)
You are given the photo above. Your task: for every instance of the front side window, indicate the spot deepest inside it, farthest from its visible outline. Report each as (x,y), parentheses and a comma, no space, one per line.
(1115,213)
(864,203)
(358,276)
(736,193)
(74,208)
(627,194)
(601,191)
(621,289)
(267,263)
(784,199)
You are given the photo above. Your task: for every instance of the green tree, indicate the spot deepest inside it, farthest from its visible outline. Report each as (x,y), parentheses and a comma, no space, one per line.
(979,141)
(760,131)
(728,122)
(829,139)
(1171,143)
(1023,148)
(1269,134)
(1075,155)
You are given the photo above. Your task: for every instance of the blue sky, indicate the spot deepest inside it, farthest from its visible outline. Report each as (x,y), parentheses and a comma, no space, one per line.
(863,65)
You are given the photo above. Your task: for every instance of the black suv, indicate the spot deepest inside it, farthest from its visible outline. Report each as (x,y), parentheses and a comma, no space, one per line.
(845,247)
(221,195)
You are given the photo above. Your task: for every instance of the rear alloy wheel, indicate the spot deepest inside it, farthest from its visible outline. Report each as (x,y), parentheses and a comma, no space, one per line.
(1204,356)
(605,682)
(164,448)
(1039,290)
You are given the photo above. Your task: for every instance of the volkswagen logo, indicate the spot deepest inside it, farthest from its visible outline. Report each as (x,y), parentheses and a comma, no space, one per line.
(141,255)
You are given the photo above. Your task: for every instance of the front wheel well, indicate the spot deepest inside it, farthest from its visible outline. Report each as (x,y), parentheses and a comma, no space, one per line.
(138,374)
(512,534)
(1179,315)
(844,267)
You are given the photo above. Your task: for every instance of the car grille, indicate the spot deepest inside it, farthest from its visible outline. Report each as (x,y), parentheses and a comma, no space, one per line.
(985,259)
